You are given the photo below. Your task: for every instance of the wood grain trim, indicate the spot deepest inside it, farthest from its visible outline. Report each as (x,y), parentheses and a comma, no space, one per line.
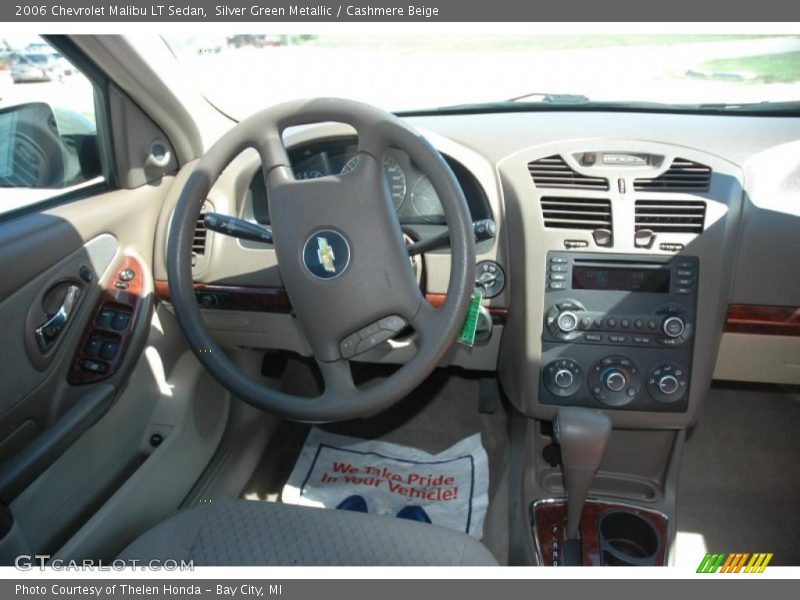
(437,301)
(268,299)
(764,320)
(231,297)
(126,300)
(549,524)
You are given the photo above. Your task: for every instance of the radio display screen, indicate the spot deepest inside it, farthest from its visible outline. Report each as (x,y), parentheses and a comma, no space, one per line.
(620,279)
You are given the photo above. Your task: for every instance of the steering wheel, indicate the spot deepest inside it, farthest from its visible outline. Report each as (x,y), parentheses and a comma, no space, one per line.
(341,256)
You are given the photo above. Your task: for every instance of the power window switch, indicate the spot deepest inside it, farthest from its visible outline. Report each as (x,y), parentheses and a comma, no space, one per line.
(109,350)
(93,348)
(92,366)
(104,318)
(120,322)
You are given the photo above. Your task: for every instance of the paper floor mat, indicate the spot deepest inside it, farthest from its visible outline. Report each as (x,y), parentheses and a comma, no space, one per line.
(449,489)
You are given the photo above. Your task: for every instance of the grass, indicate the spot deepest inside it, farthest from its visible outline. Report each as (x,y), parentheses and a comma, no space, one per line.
(461,43)
(769,68)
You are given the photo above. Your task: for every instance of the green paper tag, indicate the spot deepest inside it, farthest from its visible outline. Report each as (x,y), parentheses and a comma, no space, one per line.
(467,334)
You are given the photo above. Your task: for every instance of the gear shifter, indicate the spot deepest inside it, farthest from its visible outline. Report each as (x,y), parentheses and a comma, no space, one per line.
(582,434)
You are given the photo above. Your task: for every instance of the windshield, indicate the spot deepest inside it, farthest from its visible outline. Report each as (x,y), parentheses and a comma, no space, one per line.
(241,74)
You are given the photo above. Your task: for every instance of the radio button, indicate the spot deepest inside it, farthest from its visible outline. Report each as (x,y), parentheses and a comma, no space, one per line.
(638,323)
(593,337)
(586,323)
(684,272)
(683,290)
(625,323)
(569,305)
(598,323)
(557,285)
(611,322)
(558,277)
(684,281)
(558,260)
(673,326)
(558,268)
(567,321)
(618,339)
(651,324)
(638,339)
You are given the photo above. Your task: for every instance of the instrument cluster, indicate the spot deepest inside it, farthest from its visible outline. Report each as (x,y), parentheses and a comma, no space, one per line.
(413,194)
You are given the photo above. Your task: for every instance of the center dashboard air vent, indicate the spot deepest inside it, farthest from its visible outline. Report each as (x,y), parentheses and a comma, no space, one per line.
(682,176)
(670,216)
(576,213)
(554,172)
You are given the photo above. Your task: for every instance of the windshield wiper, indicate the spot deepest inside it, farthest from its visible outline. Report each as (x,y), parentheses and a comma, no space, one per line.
(550,98)
(765,106)
(572,104)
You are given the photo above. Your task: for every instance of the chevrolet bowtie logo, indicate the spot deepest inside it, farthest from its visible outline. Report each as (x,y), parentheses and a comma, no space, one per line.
(326,255)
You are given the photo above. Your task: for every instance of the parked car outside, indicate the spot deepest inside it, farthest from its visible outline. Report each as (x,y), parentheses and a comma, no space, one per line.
(35,67)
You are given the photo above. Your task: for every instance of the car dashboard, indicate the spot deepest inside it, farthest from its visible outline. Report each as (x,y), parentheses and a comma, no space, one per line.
(624,241)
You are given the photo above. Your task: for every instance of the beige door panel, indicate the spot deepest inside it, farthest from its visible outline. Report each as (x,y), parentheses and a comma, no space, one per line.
(47,401)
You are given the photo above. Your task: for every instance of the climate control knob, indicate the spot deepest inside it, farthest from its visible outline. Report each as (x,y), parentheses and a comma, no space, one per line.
(673,327)
(563,378)
(668,384)
(615,381)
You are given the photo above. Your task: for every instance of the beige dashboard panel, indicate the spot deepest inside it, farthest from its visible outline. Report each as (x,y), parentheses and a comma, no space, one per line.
(759,358)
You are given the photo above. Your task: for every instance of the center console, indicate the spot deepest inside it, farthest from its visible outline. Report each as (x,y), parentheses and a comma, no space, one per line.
(618,331)
(616,307)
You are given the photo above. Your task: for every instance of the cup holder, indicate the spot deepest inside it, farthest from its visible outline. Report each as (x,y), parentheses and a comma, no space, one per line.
(626,539)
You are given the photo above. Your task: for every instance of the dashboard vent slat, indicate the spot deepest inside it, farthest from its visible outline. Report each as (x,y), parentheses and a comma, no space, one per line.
(200,232)
(576,213)
(671,216)
(554,172)
(682,176)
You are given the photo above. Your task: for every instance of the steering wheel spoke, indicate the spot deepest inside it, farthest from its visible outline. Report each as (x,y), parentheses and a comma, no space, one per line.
(337,378)
(424,321)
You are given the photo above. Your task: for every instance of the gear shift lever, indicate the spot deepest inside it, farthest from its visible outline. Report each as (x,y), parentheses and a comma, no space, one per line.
(582,434)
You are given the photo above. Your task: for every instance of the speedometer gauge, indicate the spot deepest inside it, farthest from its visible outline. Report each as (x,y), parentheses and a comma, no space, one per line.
(426,202)
(395,178)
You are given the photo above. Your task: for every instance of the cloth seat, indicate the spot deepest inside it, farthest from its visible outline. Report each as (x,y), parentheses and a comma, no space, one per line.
(244,533)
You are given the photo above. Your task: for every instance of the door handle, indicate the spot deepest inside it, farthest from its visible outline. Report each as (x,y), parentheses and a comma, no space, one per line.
(49,331)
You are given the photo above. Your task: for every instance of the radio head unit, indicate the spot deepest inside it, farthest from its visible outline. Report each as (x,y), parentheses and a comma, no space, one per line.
(618,330)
